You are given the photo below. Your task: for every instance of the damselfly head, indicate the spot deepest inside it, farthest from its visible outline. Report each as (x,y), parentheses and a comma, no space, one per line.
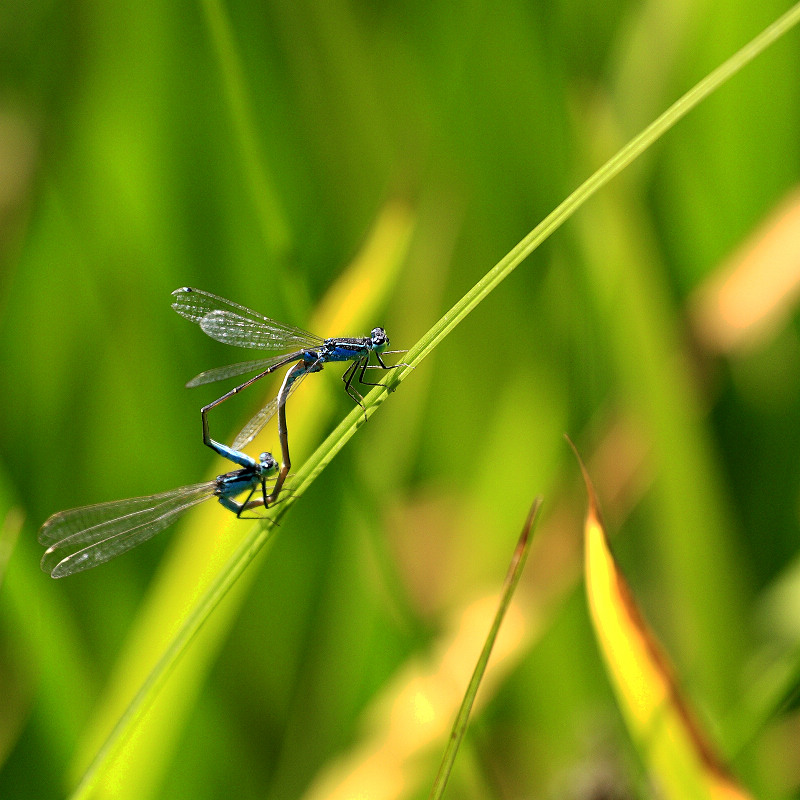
(378,339)
(269,466)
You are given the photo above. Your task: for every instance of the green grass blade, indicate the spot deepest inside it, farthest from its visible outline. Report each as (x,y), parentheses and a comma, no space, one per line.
(462,718)
(160,672)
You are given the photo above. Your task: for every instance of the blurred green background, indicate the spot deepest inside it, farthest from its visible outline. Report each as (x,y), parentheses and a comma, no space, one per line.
(248,149)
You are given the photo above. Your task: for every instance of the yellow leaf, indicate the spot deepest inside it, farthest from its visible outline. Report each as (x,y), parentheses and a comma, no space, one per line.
(677,752)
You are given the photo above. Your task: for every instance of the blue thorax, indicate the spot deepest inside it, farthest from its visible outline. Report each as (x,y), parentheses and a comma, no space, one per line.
(349,348)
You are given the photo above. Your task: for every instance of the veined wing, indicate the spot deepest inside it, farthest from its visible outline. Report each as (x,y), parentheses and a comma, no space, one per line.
(85,537)
(262,417)
(237,325)
(232,370)
(64,524)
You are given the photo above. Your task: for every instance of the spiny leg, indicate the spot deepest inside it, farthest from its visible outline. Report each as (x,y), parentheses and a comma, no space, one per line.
(380,365)
(366,365)
(259,502)
(232,505)
(246,505)
(354,395)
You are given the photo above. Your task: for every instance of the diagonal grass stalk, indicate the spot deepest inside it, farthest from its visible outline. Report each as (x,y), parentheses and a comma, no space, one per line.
(462,718)
(261,533)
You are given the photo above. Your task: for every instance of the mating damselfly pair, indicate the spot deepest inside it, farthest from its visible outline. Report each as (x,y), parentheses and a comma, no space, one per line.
(84,537)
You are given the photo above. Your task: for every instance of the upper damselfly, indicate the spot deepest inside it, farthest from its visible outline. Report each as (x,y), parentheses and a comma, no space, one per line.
(233,324)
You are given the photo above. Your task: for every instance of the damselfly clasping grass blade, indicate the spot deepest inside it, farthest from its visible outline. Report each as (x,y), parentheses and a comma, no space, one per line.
(82,538)
(237,325)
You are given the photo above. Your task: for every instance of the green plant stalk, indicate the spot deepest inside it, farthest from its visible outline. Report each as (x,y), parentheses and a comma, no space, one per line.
(274,229)
(260,533)
(462,718)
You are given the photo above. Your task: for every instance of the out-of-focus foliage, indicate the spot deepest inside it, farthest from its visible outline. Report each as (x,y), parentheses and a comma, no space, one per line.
(249,149)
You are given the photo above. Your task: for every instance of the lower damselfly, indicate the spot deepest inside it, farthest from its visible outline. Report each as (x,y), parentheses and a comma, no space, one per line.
(82,538)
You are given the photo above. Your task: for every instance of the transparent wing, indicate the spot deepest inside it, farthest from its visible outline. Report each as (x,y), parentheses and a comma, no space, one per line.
(232,370)
(62,525)
(237,325)
(85,537)
(257,423)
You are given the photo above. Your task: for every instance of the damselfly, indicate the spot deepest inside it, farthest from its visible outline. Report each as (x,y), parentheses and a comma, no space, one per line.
(82,538)
(237,325)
